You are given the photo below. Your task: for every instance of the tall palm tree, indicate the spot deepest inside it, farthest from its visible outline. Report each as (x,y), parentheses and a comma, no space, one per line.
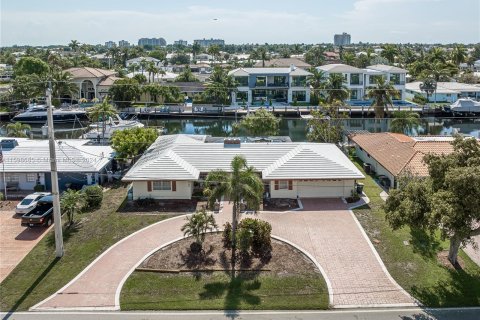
(152,71)
(74,45)
(186,76)
(62,84)
(348,58)
(404,121)
(382,95)
(197,226)
(241,184)
(261,54)
(389,52)
(459,54)
(437,54)
(437,70)
(317,81)
(17,129)
(72,202)
(196,49)
(336,89)
(214,51)
(103,110)
(429,86)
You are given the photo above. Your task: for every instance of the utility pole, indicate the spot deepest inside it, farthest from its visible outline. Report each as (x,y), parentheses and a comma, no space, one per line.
(57,218)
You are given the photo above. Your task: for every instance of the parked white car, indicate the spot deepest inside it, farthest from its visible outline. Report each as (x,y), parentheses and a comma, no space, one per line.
(29,202)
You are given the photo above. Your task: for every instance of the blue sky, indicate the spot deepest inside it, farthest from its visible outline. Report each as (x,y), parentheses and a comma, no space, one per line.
(41,22)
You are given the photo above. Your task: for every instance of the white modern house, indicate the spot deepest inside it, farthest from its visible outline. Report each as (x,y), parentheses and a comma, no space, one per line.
(27,163)
(446,91)
(278,85)
(358,81)
(138,61)
(175,166)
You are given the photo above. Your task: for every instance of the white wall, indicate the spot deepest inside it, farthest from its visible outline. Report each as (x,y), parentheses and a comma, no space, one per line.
(184,191)
(314,189)
(377,167)
(23,184)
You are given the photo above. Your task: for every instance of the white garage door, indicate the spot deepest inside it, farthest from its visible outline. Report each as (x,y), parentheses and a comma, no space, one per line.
(320,189)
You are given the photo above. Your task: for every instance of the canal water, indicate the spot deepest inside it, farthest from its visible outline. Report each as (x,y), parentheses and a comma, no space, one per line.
(296,129)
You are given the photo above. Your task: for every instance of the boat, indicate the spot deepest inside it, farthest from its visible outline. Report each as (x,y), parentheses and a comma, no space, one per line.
(465,106)
(38,114)
(111,125)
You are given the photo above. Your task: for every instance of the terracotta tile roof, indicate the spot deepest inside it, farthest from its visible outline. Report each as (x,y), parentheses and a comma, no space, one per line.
(398,152)
(87,72)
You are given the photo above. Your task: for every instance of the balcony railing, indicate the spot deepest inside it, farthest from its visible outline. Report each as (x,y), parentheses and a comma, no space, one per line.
(272,85)
(356,83)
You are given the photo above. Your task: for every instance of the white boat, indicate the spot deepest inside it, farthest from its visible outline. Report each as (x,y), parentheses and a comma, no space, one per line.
(111,125)
(465,105)
(38,114)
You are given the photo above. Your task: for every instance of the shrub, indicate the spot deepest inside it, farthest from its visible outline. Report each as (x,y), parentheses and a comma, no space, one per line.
(260,230)
(93,197)
(227,235)
(1,196)
(39,188)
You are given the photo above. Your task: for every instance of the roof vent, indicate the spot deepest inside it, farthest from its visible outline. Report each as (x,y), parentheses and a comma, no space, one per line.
(231,143)
(292,67)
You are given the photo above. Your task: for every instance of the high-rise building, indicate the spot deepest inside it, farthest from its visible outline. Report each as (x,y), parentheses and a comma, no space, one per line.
(209,42)
(110,44)
(154,42)
(343,39)
(180,43)
(123,43)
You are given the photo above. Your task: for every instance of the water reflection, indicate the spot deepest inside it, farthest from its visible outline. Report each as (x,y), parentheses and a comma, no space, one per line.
(296,129)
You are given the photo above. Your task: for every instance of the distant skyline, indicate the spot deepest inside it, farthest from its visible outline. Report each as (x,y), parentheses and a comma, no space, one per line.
(57,22)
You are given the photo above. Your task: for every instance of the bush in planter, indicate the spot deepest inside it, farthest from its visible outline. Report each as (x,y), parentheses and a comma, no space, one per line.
(93,197)
(227,235)
(39,188)
(261,243)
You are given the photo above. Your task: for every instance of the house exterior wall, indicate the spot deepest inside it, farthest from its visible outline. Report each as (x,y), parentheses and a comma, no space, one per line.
(23,184)
(314,189)
(377,167)
(183,191)
(438,97)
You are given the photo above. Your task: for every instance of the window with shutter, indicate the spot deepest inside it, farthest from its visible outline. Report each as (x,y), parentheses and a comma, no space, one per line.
(276,184)
(149,186)
(174,185)
(290,185)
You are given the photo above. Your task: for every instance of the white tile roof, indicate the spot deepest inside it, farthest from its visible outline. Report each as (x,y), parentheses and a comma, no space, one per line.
(268,71)
(183,157)
(72,156)
(339,68)
(386,68)
(445,87)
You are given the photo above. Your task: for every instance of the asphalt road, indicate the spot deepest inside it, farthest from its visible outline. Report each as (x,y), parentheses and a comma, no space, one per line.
(363,314)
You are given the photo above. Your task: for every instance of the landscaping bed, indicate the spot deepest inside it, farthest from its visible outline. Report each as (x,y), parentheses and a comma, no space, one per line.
(40,274)
(152,206)
(288,280)
(412,258)
(280,205)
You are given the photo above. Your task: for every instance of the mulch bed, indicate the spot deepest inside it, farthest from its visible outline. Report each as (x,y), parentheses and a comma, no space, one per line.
(151,206)
(442,257)
(8,205)
(280,205)
(285,259)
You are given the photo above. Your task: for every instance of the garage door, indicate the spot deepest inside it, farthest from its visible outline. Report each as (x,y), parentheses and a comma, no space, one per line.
(320,189)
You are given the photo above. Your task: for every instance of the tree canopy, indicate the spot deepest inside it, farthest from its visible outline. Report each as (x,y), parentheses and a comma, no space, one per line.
(124,92)
(130,143)
(30,65)
(260,123)
(448,200)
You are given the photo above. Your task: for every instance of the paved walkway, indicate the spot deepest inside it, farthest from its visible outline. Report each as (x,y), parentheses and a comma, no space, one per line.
(473,253)
(15,241)
(325,229)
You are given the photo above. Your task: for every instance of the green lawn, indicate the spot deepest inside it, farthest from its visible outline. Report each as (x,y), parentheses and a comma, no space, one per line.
(40,274)
(415,267)
(154,291)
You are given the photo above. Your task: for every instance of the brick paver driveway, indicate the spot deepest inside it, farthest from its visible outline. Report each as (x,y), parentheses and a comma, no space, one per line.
(15,241)
(325,229)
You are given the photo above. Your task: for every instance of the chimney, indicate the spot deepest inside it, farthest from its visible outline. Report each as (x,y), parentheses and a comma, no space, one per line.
(292,67)
(231,143)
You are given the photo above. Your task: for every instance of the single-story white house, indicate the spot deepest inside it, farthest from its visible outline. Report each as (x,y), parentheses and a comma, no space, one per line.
(446,91)
(175,166)
(26,163)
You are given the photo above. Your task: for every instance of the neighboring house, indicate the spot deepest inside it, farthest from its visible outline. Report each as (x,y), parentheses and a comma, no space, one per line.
(137,62)
(27,163)
(393,154)
(6,72)
(92,82)
(283,63)
(332,57)
(281,85)
(446,91)
(358,81)
(175,166)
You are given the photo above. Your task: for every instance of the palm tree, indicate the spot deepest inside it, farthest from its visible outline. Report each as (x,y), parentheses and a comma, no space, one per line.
(17,129)
(437,54)
(261,54)
(62,84)
(220,85)
(382,96)
(317,81)
(389,52)
(196,49)
(241,184)
(72,202)
(197,226)
(214,51)
(429,86)
(336,89)
(74,45)
(104,111)
(459,54)
(348,58)
(152,71)
(439,71)
(186,76)
(404,121)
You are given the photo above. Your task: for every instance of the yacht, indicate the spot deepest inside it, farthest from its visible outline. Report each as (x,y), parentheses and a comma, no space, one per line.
(38,114)
(465,106)
(111,125)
